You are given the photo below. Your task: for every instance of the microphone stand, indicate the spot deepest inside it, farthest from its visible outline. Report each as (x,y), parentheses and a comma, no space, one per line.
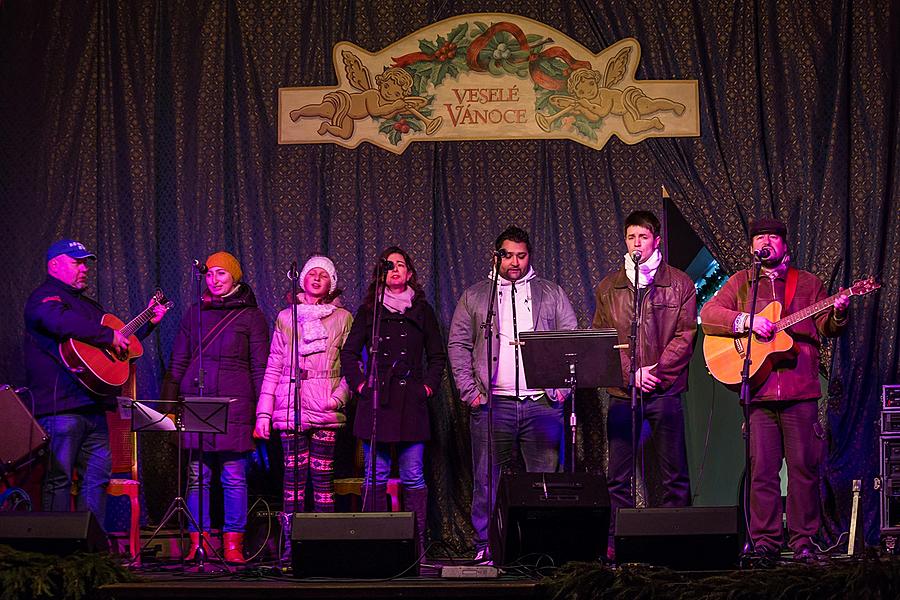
(488,327)
(201,551)
(373,376)
(295,381)
(745,399)
(632,383)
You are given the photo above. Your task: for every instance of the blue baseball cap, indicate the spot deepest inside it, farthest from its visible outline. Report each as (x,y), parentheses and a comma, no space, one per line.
(70,248)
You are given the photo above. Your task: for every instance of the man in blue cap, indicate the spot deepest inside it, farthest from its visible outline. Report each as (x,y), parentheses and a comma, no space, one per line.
(73,416)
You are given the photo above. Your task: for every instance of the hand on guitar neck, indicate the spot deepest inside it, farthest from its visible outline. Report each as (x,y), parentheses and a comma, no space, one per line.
(765,328)
(120,342)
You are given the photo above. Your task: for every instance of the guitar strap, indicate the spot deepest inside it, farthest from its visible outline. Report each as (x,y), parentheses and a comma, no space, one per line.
(213,333)
(790,286)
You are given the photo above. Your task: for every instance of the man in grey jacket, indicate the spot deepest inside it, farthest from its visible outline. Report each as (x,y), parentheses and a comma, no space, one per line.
(529,418)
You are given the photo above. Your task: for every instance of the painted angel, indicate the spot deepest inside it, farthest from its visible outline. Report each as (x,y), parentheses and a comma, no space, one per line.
(593,95)
(341,108)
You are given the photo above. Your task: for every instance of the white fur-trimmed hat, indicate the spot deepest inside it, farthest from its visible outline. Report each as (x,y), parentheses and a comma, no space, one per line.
(324,263)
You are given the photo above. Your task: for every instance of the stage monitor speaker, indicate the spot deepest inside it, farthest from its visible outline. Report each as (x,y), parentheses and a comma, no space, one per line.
(22,437)
(692,538)
(354,545)
(561,515)
(52,532)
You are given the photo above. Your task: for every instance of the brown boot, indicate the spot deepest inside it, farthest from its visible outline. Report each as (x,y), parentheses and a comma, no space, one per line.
(234,547)
(195,545)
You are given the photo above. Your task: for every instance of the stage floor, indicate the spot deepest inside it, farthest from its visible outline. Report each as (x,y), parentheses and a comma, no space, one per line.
(265,582)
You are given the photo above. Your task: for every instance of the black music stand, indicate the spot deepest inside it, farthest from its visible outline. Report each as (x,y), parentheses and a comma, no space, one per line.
(193,414)
(579,358)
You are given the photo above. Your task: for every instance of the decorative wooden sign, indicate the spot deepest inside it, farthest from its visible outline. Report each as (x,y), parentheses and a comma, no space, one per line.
(487,77)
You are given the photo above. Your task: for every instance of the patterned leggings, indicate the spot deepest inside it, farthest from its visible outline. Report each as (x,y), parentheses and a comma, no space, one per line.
(314,450)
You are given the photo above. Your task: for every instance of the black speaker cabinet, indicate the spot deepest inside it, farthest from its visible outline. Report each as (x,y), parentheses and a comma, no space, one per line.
(22,438)
(52,532)
(354,545)
(562,515)
(693,538)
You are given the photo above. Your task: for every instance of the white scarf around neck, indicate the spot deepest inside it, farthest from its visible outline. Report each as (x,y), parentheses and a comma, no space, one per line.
(398,303)
(646,270)
(313,336)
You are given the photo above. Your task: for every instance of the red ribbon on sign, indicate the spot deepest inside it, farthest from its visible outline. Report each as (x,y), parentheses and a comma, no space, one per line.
(539,77)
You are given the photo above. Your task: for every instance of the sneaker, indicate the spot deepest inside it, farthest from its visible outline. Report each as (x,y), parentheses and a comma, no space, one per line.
(483,557)
(763,558)
(806,555)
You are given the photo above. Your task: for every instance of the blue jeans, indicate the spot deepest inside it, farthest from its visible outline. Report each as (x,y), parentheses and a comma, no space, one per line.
(234,487)
(535,424)
(409,459)
(80,441)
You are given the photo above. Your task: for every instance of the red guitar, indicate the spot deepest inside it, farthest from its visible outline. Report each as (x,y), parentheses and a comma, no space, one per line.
(725,353)
(101,370)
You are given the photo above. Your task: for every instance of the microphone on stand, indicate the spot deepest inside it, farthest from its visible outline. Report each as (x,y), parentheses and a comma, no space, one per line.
(636,256)
(387,265)
(501,253)
(292,273)
(763,253)
(200,266)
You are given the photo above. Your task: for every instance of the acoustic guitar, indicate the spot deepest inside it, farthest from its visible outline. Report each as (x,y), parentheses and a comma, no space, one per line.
(101,370)
(725,354)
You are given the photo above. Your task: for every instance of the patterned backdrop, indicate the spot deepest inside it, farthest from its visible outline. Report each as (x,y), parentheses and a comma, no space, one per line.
(147,130)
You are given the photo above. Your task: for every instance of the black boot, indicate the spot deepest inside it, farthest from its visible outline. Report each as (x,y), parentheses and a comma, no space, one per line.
(286,521)
(377,501)
(415,500)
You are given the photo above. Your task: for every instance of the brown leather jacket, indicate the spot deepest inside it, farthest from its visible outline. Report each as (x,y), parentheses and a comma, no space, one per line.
(795,377)
(667,330)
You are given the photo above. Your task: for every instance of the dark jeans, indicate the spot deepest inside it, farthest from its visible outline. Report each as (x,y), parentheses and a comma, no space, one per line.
(788,430)
(665,416)
(535,424)
(80,441)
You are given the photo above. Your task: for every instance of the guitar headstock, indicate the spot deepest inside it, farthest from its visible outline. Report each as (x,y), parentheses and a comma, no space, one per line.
(863,287)
(160,298)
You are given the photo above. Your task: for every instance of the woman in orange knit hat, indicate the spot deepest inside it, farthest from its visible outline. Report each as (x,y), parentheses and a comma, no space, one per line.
(235,339)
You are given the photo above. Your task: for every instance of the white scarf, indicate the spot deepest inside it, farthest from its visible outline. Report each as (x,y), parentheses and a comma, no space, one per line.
(313,335)
(398,303)
(646,270)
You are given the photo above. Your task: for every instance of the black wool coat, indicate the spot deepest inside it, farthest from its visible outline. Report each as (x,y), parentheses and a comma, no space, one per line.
(234,362)
(411,356)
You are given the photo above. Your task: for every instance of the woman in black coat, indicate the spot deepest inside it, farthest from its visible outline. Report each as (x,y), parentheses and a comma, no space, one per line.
(409,333)
(235,339)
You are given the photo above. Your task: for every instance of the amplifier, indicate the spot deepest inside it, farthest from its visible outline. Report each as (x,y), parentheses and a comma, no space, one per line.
(890,396)
(22,439)
(890,421)
(561,515)
(354,545)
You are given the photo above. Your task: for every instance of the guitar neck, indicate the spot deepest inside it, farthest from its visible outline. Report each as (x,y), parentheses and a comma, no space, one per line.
(810,311)
(137,322)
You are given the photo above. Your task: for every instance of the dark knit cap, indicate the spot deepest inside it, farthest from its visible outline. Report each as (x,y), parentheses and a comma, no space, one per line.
(768,225)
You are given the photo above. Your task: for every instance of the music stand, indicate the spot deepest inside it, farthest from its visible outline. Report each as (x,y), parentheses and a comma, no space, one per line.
(579,358)
(193,414)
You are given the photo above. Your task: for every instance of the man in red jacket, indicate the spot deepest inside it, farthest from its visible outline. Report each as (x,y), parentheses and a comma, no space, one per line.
(784,421)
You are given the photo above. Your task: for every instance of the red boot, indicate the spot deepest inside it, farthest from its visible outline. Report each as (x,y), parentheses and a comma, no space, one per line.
(234,547)
(195,545)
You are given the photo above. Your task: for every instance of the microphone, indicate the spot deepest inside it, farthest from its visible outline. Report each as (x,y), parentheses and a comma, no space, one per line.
(292,273)
(636,256)
(387,265)
(200,266)
(501,253)
(763,253)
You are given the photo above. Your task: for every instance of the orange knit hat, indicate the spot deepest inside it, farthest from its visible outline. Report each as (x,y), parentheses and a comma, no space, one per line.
(226,261)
